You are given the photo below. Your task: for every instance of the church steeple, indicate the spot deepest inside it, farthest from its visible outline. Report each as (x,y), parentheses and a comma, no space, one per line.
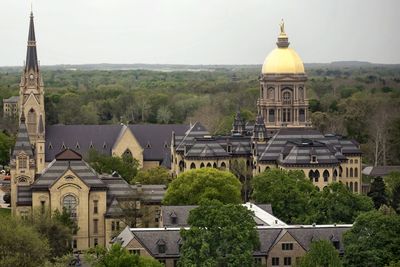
(31,53)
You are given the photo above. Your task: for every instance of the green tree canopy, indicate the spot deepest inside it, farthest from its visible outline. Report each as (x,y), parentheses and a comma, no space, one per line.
(321,254)
(289,193)
(157,175)
(393,187)
(219,235)
(336,204)
(21,244)
(373,241)
(6,143)
(191,187)
(117,256)
(125,166)
(378,193)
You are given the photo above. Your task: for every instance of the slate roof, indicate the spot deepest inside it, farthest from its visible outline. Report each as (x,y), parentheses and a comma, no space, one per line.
(381,170)
(31,54)
(22,143)
(12,99)
(269,236)
(206,148)
(292,146)
(24,195)
(59,166)
(155,139)
(150,193)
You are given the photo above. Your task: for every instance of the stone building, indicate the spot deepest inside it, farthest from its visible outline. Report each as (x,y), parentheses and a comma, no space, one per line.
(10,106)
(281,137)
(279,245)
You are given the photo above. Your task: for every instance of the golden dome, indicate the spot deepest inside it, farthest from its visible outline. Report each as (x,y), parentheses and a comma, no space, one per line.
(282,59)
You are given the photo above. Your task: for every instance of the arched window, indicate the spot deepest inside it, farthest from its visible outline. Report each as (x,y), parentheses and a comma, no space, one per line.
(302,115)
(181,165)
(223,165)
(271,115)
(202,165)
(351,186)
(347,172)
(356,172)
(22,162)
(340,171)
(31,122)
(287,98)
(334,175)
(311,175)
(209,165)
(69,204)
(192,166)
(316,176)
(356,187)
(215,165)
(325,174)
(128,153)
(351,172)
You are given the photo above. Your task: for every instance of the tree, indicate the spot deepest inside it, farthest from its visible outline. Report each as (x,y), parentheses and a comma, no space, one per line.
(157,175)
(118,257)
(289,193)
(321,254)
(378,193)
(373,240)
(219,235)
(336,204)
(6,143)
(243,172)
(125,166)
(164,115)
(21,244)
(57,229)
(7,198)
(393,187)
(191,187)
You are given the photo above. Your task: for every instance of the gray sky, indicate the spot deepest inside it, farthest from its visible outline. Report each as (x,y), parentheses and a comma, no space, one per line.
(199,31)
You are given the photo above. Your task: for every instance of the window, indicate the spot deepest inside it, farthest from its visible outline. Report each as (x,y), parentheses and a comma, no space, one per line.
(31,123)
(356,161)
(271,115)
(161,248)
(173,220)
(286,114)
(23,164)
(24,215)
(302,115)
(287,98)
(275,261)
(209,165)
(287,261)
(334,175)
(95,206)
(301,93)
(351,172)
(95,226)
(355,172)
(42,206)
(313,159)
(96,241)
(311,175)
(74,244)
(351,161)
(202,165)
(192,166)
(325,174)
(287,246)
(271,93)
(69,204)
(316,175)
(135,251)
(356,187)
(223,166)
(112,226)
(117,227)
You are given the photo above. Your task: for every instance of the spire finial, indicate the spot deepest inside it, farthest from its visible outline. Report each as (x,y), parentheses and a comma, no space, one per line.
(282,26)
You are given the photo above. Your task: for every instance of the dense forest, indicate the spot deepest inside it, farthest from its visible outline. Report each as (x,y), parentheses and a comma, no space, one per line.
(361,102)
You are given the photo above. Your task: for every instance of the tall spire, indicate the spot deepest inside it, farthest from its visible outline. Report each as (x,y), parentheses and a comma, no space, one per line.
(31,54)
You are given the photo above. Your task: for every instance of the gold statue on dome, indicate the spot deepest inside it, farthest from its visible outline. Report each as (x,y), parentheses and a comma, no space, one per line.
(282,25)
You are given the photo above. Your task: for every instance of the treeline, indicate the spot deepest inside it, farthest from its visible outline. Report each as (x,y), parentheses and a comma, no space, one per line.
(348,101)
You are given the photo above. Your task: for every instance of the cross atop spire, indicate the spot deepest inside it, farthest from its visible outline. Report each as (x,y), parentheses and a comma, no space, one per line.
(31,54)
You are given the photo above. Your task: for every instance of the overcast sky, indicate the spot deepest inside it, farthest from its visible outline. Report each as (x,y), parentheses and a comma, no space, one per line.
(199,31)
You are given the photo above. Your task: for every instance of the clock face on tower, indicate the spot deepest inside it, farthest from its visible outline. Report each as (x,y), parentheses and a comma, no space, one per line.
(31,77)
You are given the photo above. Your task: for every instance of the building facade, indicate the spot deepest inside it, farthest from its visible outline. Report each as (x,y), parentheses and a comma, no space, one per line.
(281,137)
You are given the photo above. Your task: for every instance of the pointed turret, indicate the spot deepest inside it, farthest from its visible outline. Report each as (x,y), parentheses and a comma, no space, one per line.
(22,143)
(31,53)
(239,125)
(260,131)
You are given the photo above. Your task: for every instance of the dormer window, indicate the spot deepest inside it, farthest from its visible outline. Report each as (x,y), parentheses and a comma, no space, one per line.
(161,246)
(174,218)
(50,146)
(104,145)
(229,148)
(77,146)
(63,147)
(91,146)
(148,145)
(165,145)
(313,159)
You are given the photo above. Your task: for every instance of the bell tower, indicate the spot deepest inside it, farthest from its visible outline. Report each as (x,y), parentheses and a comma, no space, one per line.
(31,99)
